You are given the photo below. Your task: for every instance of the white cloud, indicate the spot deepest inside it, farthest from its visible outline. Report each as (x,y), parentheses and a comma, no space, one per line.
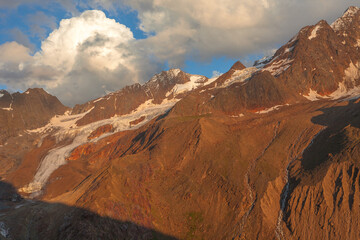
(203,29)
(14,53)
(86,56)
(215,74)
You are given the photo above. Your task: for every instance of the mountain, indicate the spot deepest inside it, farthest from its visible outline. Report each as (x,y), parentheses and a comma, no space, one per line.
(19,112)
(31,109)
(167,86)
(321,61)
(264,152)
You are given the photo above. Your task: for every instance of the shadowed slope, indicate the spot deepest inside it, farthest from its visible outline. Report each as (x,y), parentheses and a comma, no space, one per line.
(25,219)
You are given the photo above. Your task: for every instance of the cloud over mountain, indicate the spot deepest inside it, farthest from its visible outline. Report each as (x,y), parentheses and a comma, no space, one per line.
(85,57)
(208,28)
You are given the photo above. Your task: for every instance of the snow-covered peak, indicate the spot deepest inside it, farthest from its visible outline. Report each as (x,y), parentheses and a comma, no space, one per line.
(174,72)
(351,11)
(347,17)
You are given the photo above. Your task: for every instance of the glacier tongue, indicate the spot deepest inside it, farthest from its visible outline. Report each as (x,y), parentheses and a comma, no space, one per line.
(57,156)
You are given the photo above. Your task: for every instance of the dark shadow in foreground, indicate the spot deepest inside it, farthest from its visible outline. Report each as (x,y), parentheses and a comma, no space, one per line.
(331,141)
(26,219)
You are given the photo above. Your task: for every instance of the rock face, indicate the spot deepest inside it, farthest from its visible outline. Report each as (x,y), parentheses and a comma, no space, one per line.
(28,110)
(264,152)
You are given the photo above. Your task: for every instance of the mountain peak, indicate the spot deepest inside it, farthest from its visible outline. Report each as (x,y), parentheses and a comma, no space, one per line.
(352,10)
(35,91)
(238,66)
(165,75)
(346,19)
(3,92)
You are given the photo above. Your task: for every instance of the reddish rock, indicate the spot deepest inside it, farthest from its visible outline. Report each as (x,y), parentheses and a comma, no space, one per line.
(28,110)
(100,131)
(137,121)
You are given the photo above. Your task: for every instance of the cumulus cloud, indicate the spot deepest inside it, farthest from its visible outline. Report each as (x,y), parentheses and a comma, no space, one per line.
(82,59)
(13,52)
(203,29)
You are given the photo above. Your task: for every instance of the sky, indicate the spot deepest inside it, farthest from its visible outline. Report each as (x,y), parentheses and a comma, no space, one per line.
(79,50)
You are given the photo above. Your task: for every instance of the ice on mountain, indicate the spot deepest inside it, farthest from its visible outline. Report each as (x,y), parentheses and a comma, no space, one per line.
(279,66)
(66,125)
(240,76)
(314,32)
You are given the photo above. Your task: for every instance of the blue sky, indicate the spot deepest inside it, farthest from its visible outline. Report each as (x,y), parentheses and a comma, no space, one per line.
(140,38)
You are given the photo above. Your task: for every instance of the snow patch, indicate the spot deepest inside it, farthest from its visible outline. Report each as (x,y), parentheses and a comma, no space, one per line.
(97,100)
(239,76)
(195,82)
(175,71)
(1,95)
(351,74)
(210,80)
(294,38)
(10,107)
(287,50)
(314,96)
(314,32)
(347,94)
(237,116)
(278,67)
(160,77)
(277,107)
(65,121)
(357,44)
(4,231)
(263,61)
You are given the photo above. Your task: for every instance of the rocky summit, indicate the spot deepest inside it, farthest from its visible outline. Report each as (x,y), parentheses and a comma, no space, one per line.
(263,152)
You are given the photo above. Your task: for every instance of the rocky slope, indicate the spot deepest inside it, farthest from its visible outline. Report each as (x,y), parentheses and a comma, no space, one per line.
(266,152)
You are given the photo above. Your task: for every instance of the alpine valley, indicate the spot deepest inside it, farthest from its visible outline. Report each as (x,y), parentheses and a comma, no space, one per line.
(264,152)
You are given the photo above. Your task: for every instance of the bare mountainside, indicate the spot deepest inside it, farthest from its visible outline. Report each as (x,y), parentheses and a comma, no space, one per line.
(265,152)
